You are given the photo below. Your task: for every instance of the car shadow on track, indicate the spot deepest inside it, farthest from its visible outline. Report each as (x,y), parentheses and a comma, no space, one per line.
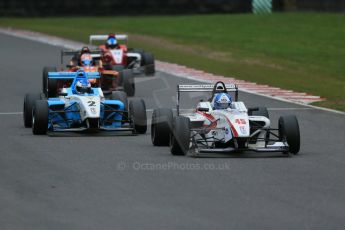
(241,155)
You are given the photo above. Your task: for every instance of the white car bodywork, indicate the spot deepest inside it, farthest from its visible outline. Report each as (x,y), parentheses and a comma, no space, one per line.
(224,125)
(229,128)
(90,106)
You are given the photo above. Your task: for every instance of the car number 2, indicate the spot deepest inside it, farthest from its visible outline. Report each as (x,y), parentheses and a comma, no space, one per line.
(91,103)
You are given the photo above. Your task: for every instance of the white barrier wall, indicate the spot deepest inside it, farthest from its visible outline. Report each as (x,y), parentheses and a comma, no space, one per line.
(262,6)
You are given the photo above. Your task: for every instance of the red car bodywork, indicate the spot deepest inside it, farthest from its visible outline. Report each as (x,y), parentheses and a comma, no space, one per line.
(116,56)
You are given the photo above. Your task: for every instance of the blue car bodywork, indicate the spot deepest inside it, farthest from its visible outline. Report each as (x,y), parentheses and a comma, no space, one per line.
(67,112)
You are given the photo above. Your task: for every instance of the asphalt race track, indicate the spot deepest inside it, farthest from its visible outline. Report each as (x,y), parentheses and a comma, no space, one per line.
(123,182)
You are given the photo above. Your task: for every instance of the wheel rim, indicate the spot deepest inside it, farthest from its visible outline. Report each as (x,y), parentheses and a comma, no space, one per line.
(24,112)
(33,121)
(171,141)
(153,133)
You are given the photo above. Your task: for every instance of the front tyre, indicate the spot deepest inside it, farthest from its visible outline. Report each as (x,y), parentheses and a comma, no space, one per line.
(137,110)
(29,103)
(289,132)
(161,126)
(180,138)
(49,86)
(128,82)
(40,117)
(149,63)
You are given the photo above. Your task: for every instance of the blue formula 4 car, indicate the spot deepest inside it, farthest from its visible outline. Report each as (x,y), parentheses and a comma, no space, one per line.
(82,107)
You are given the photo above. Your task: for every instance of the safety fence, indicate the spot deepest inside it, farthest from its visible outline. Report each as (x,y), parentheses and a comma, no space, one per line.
(145,7)
(261,6)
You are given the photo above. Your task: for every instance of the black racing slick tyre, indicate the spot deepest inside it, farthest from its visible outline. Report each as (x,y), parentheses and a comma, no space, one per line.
(40,117)
(260,111)
(120,96)
(137,111)
(149,63)
(139,51)
(29,103)
(289,131)
(180,138)
(161,126)
(49,86)
(118,68)
(128,82)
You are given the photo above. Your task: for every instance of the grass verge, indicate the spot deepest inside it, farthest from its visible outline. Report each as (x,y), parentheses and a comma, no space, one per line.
(299,51)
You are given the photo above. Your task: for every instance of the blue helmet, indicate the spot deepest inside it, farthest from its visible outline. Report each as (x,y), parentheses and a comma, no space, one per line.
(86,59)
(112,42)
(222,101)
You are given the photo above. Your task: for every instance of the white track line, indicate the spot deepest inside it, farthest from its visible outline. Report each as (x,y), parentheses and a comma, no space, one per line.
(281,109)
(186,72)
(11,113)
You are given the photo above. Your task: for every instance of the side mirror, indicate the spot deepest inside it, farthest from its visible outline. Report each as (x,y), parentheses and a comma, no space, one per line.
(107,92)
(202,109)
(250,110)
(253,109)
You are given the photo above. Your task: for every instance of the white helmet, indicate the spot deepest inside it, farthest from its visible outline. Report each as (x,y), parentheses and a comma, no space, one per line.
(83,87)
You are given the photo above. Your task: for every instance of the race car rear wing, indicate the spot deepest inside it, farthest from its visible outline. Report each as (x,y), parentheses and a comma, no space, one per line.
(73,75)
(96,53)
(203,88)
(121,37)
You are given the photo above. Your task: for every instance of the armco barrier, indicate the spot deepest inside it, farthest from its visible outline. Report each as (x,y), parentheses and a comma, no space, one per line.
(119,7)
(262,6)
(145,7)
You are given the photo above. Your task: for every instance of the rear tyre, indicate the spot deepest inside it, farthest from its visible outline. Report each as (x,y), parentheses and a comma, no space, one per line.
(49,86)
(120,96)
(128,82)
(139,51)
(262,111)
(40,117)
(119,69)
(29,103)
(180,138)
(149,63)
(161,126)
(137,110)
(289,132)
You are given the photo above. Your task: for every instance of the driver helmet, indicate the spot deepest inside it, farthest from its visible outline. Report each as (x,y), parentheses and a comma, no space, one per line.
(86,59)
(112,41)
(85,50)
(83,86)
(222,101)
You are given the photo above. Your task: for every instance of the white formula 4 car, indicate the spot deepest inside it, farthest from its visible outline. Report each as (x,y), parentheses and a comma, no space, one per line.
(235,129)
